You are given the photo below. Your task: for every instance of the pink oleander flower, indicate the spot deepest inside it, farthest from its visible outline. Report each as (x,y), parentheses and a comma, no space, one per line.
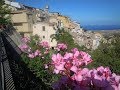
(76,54)
(70,65)
(70,61)
(103,78)
(57,58)
(114,82)
(37,53)
(68,56)
(86,57)
(81,75)
(61,46)
(58,62)
(74,50)
(56,71)
(105,72)
(99,81)
(44,44)
(59,67)
(74,69)
(26,39)
(25,48)
(85,71)
(31,55)
(78,76)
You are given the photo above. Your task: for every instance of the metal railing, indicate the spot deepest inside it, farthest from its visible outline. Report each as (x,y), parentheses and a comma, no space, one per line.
(6,75)
(14,74)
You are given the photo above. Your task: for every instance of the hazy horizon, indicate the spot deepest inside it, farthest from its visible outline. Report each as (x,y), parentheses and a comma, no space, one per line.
(101,27)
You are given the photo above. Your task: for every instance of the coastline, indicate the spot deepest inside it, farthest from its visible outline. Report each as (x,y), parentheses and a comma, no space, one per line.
(107,32)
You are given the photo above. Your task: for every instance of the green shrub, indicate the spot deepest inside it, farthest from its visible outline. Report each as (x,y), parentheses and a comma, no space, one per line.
(108,54)
(36,65)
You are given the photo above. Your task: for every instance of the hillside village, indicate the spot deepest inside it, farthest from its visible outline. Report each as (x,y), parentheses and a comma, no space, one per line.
(33,21)
(43,50)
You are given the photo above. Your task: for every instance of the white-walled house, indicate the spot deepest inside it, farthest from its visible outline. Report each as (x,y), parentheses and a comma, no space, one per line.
(45,30)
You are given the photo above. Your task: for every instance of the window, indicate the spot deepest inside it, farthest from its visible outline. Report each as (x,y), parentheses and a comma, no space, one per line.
(29,16)
(43,36)
(43,28)
(17,24)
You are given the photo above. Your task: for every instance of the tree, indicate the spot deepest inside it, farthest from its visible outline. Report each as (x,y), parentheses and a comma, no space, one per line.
(4,14)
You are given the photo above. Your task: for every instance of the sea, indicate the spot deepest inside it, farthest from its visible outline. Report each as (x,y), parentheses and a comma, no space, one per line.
(101,27)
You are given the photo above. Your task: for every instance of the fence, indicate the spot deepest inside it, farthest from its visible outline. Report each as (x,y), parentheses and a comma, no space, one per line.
(14,74)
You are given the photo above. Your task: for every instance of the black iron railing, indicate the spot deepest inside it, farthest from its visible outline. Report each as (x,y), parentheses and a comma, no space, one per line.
(6,75)
(14,74)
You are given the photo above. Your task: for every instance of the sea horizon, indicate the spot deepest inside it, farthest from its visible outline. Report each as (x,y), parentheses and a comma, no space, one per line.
(101,27)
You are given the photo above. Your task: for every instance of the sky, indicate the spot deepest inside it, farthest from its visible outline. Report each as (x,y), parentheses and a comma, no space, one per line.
(86,12)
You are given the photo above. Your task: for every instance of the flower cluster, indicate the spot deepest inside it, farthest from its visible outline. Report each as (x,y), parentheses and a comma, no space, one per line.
(70,61)
(61,46)
(34,54)
(25,48)
(40,52)
(95,79)
(72,66)
(25,39)
(44,44)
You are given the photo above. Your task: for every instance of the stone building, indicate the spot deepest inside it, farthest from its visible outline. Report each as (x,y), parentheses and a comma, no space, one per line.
(22,21)
(46,26)
(44,31)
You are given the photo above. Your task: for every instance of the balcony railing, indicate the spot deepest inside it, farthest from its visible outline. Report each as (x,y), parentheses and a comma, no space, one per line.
(14,75)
